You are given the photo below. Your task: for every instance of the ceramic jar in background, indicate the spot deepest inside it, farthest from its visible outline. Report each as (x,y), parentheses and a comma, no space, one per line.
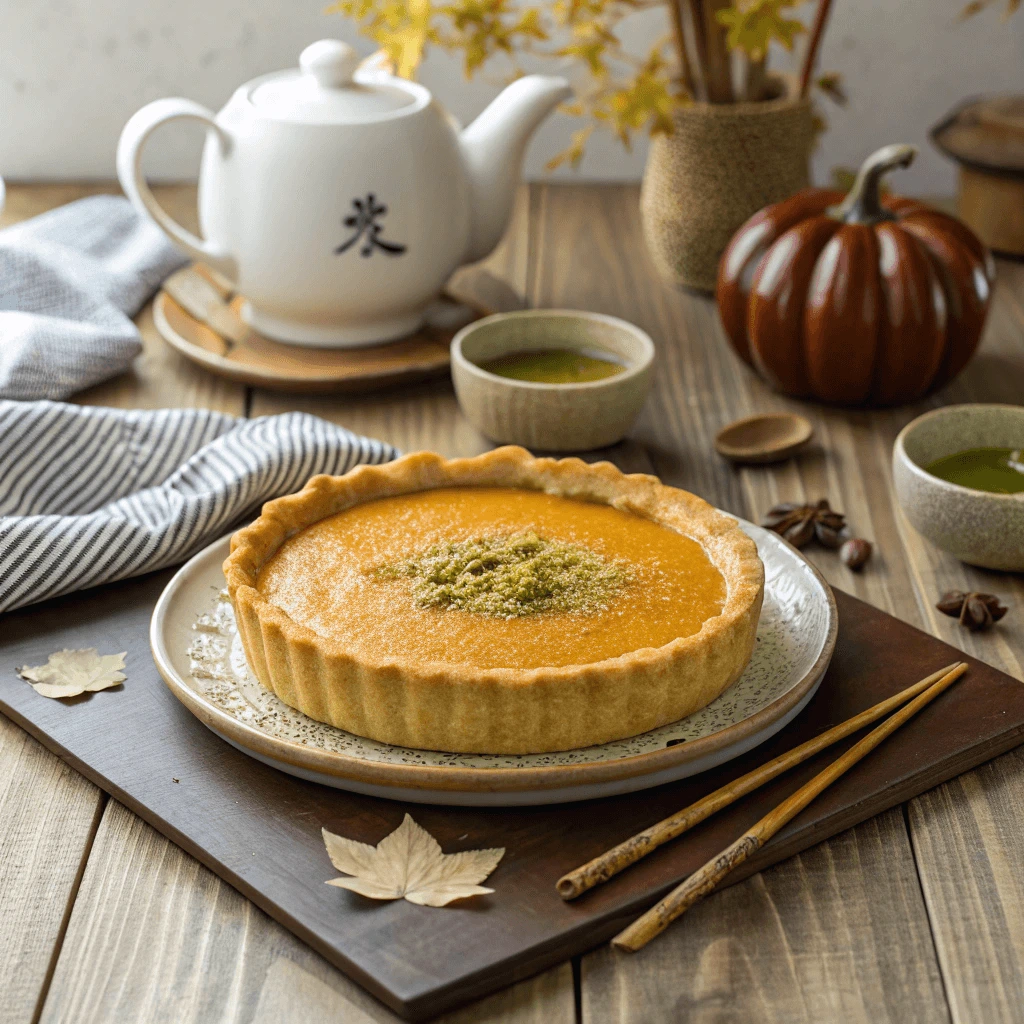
(721,164)
(986,138)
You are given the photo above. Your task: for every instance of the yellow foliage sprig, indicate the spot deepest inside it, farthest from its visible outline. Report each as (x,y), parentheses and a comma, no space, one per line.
(401,28)
(625,92)
(753,26)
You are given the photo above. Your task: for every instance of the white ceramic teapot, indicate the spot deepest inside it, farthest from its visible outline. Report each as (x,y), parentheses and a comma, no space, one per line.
(339,198)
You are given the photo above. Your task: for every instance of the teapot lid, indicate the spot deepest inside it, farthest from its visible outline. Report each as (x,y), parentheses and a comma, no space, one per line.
(325,90)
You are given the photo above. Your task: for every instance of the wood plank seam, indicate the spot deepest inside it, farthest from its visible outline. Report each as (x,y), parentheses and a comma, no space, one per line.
(534,213)
(905,812)
(76,885)
(577,988)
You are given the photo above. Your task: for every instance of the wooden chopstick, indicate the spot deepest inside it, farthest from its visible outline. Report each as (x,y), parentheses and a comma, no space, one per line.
(610,863)
(702,881)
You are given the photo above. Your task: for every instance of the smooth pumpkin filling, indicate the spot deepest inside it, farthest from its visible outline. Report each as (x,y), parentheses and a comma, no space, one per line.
(399,579)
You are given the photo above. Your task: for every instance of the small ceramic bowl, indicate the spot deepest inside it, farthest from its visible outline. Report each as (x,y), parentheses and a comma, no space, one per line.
(977,527)
(552,417)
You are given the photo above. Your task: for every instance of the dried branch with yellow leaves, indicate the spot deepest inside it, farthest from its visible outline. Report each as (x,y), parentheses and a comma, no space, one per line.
(716,51)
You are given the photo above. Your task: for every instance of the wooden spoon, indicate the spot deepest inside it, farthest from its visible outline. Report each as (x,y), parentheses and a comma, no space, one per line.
(770,437)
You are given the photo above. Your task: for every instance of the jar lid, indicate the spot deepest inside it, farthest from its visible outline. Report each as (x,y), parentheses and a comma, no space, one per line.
(986,133)
(324,89)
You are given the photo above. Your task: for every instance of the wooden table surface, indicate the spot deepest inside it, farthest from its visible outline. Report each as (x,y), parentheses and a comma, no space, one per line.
(916,915)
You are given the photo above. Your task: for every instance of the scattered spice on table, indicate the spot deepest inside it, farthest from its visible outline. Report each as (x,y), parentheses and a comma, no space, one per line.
(800,524)
(976,611)
(855,553)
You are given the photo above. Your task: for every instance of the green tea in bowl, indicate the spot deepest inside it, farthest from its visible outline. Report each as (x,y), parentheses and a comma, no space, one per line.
(959,478)
(553,366)
(996,470)
(556,380)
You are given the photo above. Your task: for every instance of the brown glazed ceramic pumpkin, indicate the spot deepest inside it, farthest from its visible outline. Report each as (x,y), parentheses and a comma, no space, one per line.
(859,300)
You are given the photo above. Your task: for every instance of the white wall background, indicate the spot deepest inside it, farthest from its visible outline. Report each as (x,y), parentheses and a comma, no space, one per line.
(73,71)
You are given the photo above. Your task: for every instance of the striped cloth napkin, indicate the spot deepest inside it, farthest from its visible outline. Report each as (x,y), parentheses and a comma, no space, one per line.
(92,495)
(70,282)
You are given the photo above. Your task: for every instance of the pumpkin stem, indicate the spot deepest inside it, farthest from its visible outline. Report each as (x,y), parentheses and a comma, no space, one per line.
(863,204)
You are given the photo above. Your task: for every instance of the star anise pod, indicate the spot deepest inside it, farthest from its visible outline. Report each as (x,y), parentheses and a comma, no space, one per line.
(974,610)
(800,524)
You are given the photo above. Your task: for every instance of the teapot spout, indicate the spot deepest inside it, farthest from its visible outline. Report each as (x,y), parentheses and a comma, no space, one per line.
(493,147)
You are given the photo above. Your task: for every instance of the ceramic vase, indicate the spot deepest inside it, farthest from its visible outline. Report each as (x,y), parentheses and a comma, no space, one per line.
(720,165)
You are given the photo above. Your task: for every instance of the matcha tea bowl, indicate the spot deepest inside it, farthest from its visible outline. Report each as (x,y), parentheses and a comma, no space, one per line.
(959,477)
(553,380)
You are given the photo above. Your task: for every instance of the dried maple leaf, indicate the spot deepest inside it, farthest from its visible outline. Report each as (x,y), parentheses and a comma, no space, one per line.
(69,673)
(408,864)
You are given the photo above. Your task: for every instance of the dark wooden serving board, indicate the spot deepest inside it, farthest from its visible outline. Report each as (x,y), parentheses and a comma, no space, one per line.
(260,829)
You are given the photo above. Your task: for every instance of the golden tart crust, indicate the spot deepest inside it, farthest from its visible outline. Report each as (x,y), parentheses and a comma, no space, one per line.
(462,708)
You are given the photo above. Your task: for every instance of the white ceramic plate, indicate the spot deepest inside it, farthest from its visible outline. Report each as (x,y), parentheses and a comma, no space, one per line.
(197,650)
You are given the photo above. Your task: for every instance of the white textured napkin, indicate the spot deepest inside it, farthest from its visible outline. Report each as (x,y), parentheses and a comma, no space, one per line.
(91,495)
(70,282)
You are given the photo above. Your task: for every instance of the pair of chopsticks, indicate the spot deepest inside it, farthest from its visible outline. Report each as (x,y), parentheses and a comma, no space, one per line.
(704,880)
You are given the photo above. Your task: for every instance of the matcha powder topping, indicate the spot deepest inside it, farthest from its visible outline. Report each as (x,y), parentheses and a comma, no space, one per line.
(509,577)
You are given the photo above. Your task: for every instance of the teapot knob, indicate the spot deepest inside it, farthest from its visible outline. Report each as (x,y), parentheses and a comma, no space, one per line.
(331,62)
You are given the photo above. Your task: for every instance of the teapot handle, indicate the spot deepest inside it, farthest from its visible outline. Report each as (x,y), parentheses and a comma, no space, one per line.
(129,172)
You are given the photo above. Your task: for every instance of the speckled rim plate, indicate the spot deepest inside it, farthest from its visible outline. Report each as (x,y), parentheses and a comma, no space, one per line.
(799,608)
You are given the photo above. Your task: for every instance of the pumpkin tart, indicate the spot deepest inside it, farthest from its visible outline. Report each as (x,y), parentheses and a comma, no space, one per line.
(498,604)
